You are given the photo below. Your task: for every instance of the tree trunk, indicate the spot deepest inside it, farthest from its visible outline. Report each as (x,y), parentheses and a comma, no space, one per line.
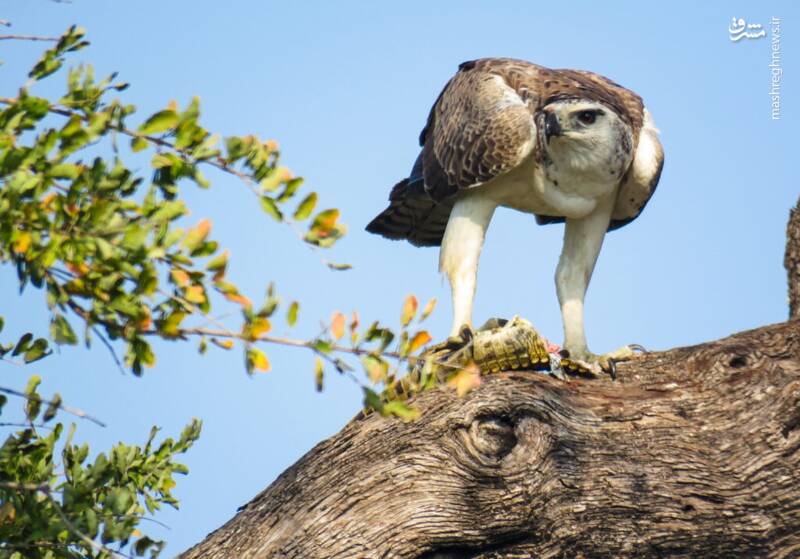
(692,452)
(791,261)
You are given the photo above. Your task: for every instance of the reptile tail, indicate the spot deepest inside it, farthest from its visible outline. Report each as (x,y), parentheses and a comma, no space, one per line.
(413,215)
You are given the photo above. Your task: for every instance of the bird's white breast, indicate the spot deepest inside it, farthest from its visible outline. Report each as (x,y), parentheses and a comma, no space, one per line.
(530,188)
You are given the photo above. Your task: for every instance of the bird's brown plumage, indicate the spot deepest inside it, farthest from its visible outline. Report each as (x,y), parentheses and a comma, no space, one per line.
(475,133)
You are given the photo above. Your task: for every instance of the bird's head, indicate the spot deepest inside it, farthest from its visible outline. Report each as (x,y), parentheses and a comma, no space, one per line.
(586,137)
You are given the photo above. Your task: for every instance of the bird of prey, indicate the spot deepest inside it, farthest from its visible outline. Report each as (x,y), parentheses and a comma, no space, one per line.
(568,146)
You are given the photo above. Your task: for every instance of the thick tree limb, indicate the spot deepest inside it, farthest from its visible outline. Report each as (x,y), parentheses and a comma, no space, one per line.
(693,452)
(791,260)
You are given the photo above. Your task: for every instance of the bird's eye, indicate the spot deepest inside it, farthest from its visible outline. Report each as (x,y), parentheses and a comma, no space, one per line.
(587,117)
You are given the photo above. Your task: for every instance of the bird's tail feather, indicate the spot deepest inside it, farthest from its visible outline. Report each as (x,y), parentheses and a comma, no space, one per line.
(413,215)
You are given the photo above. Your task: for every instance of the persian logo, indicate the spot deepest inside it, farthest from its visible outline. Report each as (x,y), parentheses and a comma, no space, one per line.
(739,30)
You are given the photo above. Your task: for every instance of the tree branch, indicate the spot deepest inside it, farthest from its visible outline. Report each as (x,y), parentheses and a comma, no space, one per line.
(73,411)
(791,261)
(692,452)
(217,162)
(27,38)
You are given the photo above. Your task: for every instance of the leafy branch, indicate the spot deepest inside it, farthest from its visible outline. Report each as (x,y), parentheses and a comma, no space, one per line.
(112,252)
(83,232)
(102,499)
(54,404)
(91,219)
(45,490)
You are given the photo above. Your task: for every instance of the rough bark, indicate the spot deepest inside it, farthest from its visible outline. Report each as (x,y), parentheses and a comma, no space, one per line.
(791,261)
(692,452)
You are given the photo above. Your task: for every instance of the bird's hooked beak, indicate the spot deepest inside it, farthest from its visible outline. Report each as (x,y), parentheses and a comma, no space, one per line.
(552,127)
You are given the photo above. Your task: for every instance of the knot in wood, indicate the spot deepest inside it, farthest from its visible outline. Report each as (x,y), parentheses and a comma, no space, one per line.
(492,436)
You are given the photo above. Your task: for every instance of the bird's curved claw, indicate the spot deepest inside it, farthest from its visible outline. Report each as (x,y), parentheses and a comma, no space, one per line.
(595,365)
(453,343)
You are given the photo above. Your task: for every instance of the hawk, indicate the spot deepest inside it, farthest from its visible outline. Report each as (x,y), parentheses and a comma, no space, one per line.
(568,146)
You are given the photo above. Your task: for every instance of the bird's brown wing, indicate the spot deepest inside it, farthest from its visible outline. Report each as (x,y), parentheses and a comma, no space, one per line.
(641,179)
(481,126)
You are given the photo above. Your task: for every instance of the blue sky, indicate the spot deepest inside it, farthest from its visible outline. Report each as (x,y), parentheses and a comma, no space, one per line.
(345,88)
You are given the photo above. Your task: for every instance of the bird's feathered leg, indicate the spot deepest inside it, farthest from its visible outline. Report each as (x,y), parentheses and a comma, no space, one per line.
(582,241)
(461,249)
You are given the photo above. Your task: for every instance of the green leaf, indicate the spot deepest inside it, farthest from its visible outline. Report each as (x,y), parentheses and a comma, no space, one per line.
(291,314)
(324,230)
(377,368)
(372,400)
(160,122)
(52,408)
(138,144)
(33,383)
(274,179)
(305,207)
(119,500)
(90,517)
(291,188)
(61,331)
(197,235)
(256,360)
(52,59)
(64,171)
(401,410)
(22,344)
(235,148)
(322,346)
(270,207)
(170,326)
(338,267)
(38,350)
(188,436)
(34,401)
(143,544)
(319,374)
(326,219)
(218,264)
(139,354)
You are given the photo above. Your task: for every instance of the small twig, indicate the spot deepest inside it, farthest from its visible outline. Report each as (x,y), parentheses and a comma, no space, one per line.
(110,348)
(12,362)
(224,332)
(27,38)
(308,344)
(37,425)
(74,411)
(148,519)
(35,545)
(25,486)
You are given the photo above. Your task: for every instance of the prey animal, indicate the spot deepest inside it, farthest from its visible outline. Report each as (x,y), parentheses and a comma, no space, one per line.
(568,146)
